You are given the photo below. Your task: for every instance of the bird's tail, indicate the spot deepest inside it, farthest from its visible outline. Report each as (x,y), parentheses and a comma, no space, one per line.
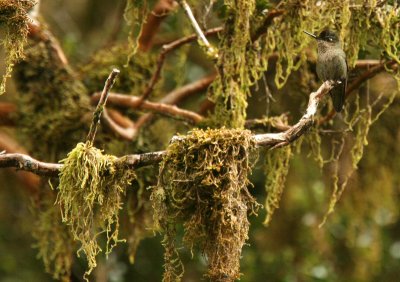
(337,94)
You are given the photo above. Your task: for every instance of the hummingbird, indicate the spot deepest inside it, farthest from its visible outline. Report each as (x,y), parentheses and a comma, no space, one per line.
(332,65)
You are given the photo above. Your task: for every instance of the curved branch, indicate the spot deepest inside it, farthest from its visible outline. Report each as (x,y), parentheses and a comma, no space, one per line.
(132,102)
(173,97)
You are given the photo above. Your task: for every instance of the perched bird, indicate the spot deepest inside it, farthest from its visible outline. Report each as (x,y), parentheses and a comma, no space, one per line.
(332,65)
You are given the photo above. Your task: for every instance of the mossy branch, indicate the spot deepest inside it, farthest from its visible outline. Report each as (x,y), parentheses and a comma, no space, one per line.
(100,106)
(270,140)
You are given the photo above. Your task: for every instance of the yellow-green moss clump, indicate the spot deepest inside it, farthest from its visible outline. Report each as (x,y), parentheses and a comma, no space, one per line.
(14,28)
(51,102)
(203,184)
(53,240)
(90,197)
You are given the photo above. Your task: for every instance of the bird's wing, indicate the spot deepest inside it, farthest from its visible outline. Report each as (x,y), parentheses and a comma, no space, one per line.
(338,93)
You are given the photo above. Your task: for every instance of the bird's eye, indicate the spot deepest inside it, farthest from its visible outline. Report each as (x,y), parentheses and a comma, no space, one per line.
(330,39)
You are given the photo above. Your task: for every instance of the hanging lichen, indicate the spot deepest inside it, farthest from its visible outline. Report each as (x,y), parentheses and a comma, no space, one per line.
(14,21)
(349,18)
(232,86)
(359,122)
(90,197)
(203,184)
(53,240)
(51,102)
(276,170)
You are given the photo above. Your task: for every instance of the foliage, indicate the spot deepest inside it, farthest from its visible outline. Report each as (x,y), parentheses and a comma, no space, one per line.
(203,184)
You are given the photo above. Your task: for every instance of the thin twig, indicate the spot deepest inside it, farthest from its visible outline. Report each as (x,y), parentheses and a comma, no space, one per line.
(210,50)
(130,131)
(100,106)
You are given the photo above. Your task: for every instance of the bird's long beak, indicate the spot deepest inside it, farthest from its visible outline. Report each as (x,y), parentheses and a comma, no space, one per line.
(310,34)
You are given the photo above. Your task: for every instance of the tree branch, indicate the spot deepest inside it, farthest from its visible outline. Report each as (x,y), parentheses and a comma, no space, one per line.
(132,102)
(101,105)
(112,120)
(160,11)
(210,50)
(27,163)
(30,181)
(270,140)
(173,97)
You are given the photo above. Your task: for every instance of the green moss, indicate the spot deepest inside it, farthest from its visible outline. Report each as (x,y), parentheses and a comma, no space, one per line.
(14,24)
(51,102)
(90,197)
(232,86)
(203,184)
